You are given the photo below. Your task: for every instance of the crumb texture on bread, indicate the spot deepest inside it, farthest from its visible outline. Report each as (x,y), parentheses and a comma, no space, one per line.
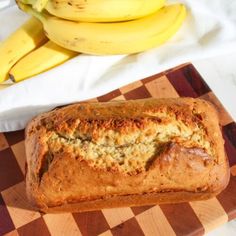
(89,151)
(127,145)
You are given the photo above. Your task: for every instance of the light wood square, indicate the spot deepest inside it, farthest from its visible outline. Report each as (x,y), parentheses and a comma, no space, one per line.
(154,222)
(210,213)
(130,87)
(121,97)
(19,152)
(161,88)
(117,216)
(62,224)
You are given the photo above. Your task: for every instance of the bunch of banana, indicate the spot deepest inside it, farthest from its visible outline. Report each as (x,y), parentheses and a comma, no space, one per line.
(28,52)
(98,27)
(103,38)
(97,10)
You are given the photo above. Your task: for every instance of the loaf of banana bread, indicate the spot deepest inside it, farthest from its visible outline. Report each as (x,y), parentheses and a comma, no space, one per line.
(89,156)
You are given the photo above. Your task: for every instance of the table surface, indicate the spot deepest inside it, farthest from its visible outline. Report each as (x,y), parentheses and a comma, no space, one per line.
(220,74)
(192,218)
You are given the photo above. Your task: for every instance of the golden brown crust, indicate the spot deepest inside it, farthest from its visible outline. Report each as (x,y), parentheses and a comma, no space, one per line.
(130,201)
(187,163)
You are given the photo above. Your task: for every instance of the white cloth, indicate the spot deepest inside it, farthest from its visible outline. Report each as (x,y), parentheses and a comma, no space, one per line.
(209,30)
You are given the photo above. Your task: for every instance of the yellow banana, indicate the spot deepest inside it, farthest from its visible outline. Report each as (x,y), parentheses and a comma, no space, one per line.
(100,10)
(29,36)
(42,59)
(113,38)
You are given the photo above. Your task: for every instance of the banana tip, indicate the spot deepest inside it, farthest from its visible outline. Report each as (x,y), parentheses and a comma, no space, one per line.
(12,78)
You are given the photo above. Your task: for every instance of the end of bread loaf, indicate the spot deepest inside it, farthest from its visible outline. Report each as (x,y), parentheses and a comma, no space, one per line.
(88,156)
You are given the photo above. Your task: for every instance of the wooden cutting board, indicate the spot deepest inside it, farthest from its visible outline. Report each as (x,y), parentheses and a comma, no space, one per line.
(192,218)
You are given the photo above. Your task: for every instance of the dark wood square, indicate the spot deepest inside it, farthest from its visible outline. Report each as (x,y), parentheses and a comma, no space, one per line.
(91,223)
(37,227)
(15,137)
(10,173)
(129,227)
(182,218)
(109,96)
(137,93)
(6,224)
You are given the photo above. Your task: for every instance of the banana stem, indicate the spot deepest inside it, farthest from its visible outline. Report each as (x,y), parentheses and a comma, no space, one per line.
(31,11)
(39,5)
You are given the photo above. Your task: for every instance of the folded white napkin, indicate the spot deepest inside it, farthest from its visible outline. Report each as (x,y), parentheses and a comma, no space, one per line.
(209,30)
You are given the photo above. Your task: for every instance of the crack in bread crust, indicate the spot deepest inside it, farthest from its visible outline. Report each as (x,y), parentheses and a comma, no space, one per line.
(126,148)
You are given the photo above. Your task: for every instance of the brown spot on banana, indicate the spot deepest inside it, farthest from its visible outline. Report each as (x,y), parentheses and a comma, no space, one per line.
(79,6)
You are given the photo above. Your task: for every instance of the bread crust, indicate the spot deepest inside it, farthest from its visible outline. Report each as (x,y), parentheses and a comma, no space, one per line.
(59,178)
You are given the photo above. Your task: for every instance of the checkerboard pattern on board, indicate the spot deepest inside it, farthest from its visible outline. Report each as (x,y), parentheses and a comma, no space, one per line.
(195,218)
